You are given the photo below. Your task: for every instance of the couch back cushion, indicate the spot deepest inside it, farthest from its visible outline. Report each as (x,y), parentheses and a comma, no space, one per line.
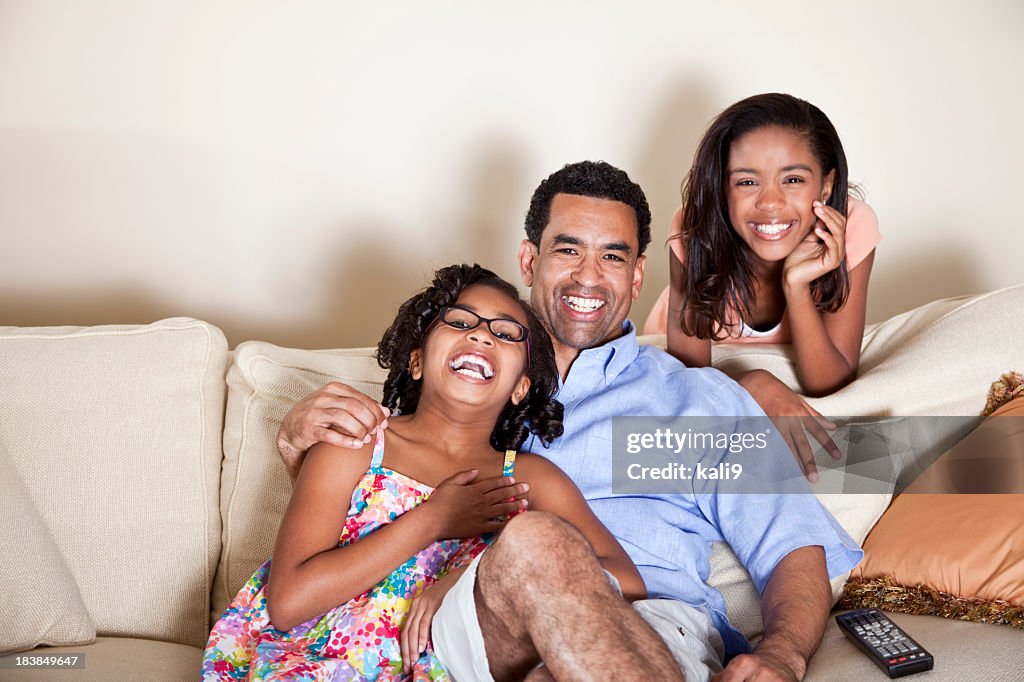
(115,432)
(265,382)
(42,603)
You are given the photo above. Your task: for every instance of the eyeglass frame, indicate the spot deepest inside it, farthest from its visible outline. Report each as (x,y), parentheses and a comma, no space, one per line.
(480,319)
(438,318)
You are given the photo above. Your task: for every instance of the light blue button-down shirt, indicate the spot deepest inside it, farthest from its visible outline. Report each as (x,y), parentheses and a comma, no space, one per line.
(669,536)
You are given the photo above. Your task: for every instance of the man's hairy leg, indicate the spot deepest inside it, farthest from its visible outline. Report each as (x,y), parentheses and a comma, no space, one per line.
(539,674)
(541,595)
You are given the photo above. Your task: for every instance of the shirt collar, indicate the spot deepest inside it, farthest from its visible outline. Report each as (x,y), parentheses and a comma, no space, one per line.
(612,357)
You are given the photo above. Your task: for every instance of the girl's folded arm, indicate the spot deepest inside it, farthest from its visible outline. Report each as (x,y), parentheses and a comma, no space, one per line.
(553,492)
(827,346)
(309,573)
(690,350)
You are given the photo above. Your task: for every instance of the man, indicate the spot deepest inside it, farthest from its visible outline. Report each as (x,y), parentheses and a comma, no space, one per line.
(587,228)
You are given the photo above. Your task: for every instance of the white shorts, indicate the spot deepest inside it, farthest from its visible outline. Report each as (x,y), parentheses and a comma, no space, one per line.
(688,632)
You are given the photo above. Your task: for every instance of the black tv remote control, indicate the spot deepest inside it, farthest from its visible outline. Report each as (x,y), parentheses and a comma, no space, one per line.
(888,646)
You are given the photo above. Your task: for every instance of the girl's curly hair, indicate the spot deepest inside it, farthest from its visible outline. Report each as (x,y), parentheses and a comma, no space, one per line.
(538,412)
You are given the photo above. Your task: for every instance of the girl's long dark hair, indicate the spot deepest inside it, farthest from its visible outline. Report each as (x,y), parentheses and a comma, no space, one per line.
(718,273)
(538,412)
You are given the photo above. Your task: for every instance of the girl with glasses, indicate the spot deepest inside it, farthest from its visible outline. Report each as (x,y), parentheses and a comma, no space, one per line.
(471,372)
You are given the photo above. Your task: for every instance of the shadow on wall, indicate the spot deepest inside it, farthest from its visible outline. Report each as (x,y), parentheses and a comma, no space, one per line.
(372,277)
(368,269)
(496,196)
(369,266)
(941,273)
(107,305)
(663,160)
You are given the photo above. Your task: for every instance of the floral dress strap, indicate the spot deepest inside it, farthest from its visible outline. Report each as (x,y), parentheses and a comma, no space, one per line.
(378,450)
(510,463)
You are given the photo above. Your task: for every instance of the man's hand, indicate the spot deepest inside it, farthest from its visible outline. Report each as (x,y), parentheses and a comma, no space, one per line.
(336,414)
(465,507)
(762,667)
(794,609)
(791,415)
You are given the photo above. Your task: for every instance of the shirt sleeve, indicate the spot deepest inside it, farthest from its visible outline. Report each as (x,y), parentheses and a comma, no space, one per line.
(763,527)
(862,233)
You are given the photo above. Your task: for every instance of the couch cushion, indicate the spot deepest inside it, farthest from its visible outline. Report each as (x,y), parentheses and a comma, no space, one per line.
(42,604)
(953,543)
(914,363)
(118,659)
(115,431)
(265,382)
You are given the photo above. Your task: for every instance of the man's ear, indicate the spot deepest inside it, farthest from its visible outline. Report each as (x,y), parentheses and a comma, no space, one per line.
(521,389)
(527,257)
(416,364)
(638,275)
(826,187)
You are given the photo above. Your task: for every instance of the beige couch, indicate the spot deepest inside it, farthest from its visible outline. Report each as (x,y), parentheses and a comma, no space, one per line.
(141,487)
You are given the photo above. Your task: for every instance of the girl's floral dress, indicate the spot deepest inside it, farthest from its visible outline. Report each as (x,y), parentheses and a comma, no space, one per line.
(358,640)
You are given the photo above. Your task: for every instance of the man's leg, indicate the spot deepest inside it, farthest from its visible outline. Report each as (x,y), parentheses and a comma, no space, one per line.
(539,674)
(541,594)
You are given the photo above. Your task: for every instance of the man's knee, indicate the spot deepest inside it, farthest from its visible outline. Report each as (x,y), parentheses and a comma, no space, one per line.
(538,542)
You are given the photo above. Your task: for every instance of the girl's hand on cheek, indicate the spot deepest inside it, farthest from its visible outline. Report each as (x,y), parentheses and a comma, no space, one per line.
(820,252)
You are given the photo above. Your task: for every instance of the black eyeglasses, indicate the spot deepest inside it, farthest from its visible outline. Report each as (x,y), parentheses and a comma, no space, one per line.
(501,328)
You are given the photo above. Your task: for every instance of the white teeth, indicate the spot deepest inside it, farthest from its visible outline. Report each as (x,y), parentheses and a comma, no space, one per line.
(583,305)
(472,365)
(772,228)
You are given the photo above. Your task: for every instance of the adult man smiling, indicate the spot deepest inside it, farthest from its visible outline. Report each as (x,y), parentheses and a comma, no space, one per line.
(587,228)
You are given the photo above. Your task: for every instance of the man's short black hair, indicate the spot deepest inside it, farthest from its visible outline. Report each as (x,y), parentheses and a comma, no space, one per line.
(595,179)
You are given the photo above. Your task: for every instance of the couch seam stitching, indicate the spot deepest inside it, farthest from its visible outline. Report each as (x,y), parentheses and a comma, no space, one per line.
(229,525)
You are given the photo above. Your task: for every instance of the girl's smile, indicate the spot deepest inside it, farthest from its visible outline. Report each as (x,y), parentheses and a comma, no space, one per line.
(773,231)
(472,365)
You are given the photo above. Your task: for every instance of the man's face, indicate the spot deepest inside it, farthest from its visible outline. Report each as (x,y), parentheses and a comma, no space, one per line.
(586,273)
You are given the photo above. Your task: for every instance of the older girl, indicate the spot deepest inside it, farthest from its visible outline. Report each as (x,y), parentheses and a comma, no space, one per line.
(768,247)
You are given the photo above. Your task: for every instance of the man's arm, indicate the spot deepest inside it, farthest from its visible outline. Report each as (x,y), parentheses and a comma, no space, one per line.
(794,607)
(337,414)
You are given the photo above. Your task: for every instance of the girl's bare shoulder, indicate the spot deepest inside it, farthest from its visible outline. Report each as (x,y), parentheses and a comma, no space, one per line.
(533,468)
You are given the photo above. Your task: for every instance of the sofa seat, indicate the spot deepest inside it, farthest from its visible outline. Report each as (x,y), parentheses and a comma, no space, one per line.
(170,489)
(117,658)
(963,651)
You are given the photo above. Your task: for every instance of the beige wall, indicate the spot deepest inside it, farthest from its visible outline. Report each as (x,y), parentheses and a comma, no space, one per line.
(290,171)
